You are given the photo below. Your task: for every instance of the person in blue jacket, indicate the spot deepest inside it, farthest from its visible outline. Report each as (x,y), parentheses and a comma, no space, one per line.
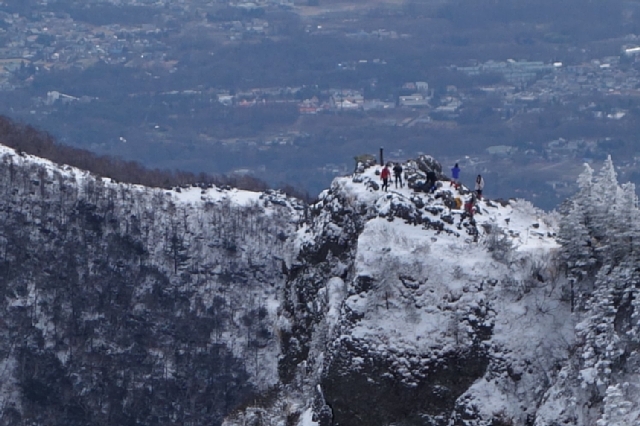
(455,176)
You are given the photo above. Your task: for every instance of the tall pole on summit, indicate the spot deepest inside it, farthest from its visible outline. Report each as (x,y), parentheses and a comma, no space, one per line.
(381,157)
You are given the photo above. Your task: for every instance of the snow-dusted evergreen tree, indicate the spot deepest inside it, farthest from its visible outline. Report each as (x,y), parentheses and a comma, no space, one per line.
(600,237)
(604,197)
(583,198)
(601,344)
(616,408)
(599,228)
(624,229)
(577,251)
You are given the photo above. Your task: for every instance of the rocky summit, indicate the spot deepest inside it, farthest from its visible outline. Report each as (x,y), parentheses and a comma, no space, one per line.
(202,305)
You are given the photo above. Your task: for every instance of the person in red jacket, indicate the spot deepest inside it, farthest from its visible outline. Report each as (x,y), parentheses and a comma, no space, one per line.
(384,175)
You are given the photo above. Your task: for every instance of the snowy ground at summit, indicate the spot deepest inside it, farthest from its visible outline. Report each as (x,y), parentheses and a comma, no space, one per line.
(528,326)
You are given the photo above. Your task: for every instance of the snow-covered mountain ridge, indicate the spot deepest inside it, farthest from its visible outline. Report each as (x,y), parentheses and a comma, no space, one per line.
(124,304)
(430,304)
(130,305)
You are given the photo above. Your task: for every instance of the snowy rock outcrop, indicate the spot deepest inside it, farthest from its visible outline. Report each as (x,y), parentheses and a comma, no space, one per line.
(442,316)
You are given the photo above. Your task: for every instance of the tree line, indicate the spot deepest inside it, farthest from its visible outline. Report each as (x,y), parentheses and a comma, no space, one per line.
(27,139)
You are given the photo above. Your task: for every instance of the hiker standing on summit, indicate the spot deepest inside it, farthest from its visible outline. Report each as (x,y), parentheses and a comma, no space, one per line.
(479,186)
(384,175)
(397,173)
(455,176)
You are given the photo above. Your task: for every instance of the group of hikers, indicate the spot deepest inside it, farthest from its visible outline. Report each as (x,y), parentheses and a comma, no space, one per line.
(431,185)
(386,174)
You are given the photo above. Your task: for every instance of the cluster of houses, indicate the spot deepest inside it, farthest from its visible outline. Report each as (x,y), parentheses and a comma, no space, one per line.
(512,71)
(335,100)
(558,149)
(532,84)
(46,40)
(376,34)
(604,76)
(52,40)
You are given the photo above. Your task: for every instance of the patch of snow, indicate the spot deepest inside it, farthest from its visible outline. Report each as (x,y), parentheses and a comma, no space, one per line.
(307,418)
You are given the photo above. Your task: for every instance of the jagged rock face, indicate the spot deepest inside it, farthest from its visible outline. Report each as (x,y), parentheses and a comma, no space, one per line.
(333,233)
(369,379)
(364,385)
(367,393)
(126,305)
(391,328)
(426,163)
(417,174)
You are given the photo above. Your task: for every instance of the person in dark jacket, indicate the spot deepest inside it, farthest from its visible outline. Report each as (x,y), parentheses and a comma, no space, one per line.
(455,176)
(431,181)
(384,175)
(479,186)
(397,173)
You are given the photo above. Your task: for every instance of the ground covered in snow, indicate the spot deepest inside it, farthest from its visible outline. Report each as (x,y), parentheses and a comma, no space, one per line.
(430,284)
(408,311)
(205,305)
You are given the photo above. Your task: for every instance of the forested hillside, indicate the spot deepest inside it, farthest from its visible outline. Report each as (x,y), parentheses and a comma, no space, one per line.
(128,305)
(600,235)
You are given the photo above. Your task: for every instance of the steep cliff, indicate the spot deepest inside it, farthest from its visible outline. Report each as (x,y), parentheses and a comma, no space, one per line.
(129,305)
(406,311)
(204,305)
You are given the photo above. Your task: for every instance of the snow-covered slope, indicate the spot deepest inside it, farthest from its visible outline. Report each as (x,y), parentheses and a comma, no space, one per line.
(437,292)
(441,318)
(118,295)
(131,305)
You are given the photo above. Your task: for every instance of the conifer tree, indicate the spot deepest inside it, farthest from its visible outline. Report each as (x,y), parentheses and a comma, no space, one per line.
(577,251)
(601,344)
(596,230)
(583,198)
(604,195)
(624,231)
(616,407)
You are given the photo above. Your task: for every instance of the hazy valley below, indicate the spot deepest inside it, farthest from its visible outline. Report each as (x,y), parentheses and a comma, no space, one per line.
(291,92)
